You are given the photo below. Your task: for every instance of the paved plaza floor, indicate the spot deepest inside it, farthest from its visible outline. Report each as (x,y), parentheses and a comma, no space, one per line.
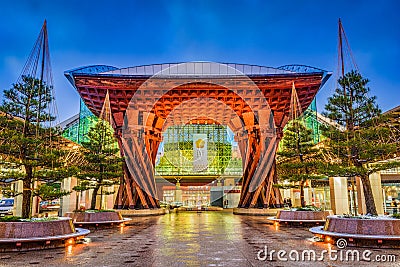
(200,239)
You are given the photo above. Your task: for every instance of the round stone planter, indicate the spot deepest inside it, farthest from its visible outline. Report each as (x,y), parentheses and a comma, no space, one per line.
(382,226)
(303,215)
(300,218)
(97,218)
(367,232)
(17,236)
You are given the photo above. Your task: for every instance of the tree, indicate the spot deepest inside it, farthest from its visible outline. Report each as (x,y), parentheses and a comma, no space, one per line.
(364,139)
(104,165)
(298,158)
(30,149)
(49,192)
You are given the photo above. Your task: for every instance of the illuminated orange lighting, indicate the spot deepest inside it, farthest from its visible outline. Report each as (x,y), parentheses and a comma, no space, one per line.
(69,250)
(328,239)
(275,90)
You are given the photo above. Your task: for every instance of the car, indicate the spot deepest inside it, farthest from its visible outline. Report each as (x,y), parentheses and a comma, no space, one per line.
(52,205)
(6,206)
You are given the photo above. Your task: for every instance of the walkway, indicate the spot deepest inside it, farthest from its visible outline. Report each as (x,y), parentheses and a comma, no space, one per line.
(188,239)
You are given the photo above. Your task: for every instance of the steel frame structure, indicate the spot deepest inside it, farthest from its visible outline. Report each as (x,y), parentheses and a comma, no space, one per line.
(138,188)
(178,149)
(78,129)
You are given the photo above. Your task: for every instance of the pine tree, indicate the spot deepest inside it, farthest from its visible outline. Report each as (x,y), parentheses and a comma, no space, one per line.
(104,165)
(298,158)
(30,150)
(363,140)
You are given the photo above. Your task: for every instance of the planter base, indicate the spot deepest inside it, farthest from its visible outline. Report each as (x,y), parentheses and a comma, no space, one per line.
(379,233)
(299,223)
(22,236)
(96,219)
(354,240)
(103,223)
(300,218)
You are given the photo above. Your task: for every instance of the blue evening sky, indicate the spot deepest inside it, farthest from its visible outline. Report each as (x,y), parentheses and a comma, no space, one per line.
(270,33)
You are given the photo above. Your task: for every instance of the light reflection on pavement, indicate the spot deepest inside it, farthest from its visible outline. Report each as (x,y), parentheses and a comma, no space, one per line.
(186,239)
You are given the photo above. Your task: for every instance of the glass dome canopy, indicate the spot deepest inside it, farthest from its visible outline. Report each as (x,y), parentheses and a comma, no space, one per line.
(196,69)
